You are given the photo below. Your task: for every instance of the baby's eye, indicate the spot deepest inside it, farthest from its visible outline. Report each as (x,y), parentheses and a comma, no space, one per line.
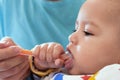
(88,33)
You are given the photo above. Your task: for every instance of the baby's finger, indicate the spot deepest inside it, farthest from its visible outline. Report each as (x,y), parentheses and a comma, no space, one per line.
(59,63)
(40,64)
(49,55)
(43,50)
(58,50)
(65,56)
(36,51)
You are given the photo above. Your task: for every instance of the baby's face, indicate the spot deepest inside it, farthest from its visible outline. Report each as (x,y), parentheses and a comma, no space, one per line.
(96,41)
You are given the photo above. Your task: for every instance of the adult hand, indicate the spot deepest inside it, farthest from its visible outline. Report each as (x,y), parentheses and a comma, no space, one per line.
(13,66)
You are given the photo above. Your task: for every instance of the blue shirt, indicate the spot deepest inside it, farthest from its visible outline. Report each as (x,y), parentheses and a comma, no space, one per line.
(31,22)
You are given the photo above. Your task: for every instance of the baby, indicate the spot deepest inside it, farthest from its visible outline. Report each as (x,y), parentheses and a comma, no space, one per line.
(94,44)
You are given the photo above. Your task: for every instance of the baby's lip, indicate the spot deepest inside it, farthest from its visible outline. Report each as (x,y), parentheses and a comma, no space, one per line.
(68,64)
(69,61)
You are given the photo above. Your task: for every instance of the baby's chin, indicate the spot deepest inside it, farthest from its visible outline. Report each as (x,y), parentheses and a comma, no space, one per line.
(73,72)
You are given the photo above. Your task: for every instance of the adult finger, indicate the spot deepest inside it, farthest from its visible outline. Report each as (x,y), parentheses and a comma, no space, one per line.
(14,70)
(8,41)
(21,75)
(3,45)
(9,52)
(11,62)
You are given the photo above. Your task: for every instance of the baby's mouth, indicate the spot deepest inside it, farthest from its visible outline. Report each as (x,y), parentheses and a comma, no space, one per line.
(68,61)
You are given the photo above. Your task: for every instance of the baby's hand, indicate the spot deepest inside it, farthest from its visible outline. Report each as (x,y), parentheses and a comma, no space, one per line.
(47,56)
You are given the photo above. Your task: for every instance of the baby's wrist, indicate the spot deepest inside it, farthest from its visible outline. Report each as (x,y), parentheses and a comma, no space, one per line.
(40,73)
(37,66)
